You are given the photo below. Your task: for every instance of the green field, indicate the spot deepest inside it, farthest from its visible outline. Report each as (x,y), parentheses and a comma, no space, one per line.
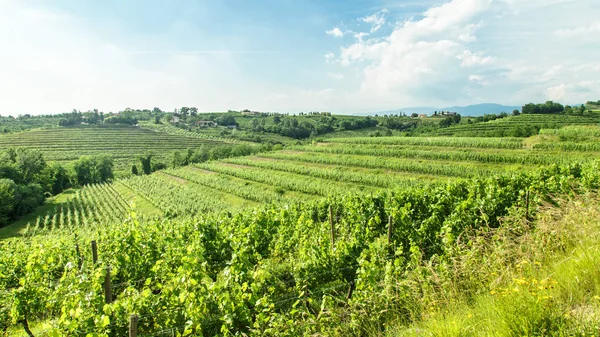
(353,235)
(122,143)
(510,125)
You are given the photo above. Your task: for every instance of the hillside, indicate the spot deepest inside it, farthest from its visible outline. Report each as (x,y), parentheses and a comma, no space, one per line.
(123,143)
(358,234)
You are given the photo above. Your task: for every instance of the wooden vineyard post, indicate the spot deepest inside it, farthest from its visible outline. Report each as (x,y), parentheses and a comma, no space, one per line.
(79,257)
(94,252)
(527,205)
(26,327)
(390,229)
(133,322)
(331,227)
(107,290)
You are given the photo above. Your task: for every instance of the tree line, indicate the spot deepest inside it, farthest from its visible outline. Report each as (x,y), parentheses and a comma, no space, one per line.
(550,107)
(26,179)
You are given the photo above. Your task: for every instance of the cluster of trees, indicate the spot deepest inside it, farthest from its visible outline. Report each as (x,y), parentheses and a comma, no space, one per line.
(399,123)
(593,103)
(203,153)
(26,179)
(490,117)
(357,123)
(147,165)
(549,107)
(450,120)
(127,116)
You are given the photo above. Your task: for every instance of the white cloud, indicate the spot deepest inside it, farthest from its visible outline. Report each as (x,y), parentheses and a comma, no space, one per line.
(465,51)
(470,59)
(335,32)
(376,20)
(594,28)
(557,92)
(329,57)
(335,76)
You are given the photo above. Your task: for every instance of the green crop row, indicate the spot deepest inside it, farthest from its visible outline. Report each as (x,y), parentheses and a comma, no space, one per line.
(455,169)
(501,143)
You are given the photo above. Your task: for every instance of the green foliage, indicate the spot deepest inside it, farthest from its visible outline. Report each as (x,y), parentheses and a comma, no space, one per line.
(93,170)
(544,108)
(266,271)
(146,163)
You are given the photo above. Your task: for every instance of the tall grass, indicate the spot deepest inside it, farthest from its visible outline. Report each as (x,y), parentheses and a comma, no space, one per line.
(525,279)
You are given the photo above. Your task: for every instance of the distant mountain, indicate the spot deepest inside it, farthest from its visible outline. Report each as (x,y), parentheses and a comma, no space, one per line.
(469,110)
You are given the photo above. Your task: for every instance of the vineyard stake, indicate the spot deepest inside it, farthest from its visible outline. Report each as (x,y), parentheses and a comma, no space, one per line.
(26,327)
(390,229)
(94,252)
(331,227)
(351,290)
(133,321)
(527,205)
(107,290)
(79,257)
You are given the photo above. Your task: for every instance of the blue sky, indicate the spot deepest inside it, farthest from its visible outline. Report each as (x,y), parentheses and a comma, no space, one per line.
(295,55)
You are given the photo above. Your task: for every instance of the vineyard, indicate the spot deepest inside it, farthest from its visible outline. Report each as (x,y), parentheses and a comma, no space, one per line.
(123,143)
(511,126)
(310,239)
(266,271)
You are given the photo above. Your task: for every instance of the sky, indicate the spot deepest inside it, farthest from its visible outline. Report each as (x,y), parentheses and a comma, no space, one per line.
(343,56)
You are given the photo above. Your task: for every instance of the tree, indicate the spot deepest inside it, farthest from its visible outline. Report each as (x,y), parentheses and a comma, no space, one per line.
(184,111)
(178,159)
(83,169)
(30,163)
(516,112)
(7,200)
(414,115)
(103,169)
(146,161)
(93,170)
(134,170)
(58,178)
(226,120)
(193,111)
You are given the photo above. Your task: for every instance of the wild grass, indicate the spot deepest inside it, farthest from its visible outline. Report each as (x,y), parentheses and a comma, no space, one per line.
(539,278)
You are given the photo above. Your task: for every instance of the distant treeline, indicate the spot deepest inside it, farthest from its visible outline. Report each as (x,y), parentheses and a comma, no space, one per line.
(550,107)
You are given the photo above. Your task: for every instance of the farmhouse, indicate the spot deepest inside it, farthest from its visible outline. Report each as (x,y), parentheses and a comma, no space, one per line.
(204,124)
(232,126)
(174,119)
(448,113)
(422,115)
(250,113)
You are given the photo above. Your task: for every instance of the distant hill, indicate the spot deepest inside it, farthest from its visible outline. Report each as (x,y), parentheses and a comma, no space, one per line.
(469,110)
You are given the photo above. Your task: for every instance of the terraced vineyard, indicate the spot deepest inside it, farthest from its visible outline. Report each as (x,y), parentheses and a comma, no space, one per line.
(293,225)
(123,143)
(333,167)
(509,125)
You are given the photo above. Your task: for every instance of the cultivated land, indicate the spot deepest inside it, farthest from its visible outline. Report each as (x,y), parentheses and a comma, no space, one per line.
(122,143)
(338,236)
